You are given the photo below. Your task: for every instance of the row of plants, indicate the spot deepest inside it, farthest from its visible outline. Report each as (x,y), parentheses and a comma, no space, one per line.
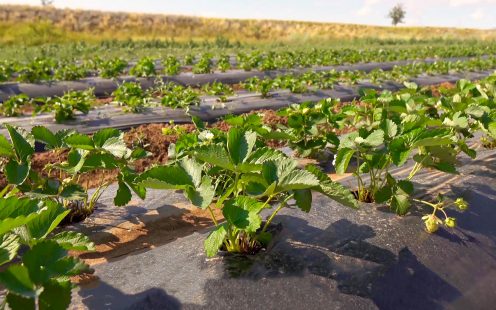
(134,99)
(44,68)
(234,171)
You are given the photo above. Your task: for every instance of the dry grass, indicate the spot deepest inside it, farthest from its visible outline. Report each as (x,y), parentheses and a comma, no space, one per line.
(19,23)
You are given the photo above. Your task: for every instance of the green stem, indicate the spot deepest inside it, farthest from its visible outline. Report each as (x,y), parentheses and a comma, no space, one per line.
(5,190)
(281,205)
(213,216)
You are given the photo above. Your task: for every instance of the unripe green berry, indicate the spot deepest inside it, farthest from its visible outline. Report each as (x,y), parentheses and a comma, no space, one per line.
(450,222)
(431,224)
(461,204)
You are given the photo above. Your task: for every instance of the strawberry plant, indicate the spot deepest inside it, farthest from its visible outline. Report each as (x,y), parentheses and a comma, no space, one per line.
(224,63)
(132,97)
(177,96)
(244,179)
(171,65)
(145,67)
(36,264)
(38,70)
(309,130)
(218,89)
(14,105)
(204,65)
(65,106)
(104,150)
(111,68)
(264,87)
(69,72)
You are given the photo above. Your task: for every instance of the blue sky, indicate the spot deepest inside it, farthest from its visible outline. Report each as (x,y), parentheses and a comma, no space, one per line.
(450,13)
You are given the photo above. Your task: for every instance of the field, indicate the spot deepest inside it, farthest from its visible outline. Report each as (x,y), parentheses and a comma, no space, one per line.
(169,162)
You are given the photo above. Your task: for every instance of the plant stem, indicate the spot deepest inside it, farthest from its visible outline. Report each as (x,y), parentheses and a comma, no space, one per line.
(212,215)
(281,205)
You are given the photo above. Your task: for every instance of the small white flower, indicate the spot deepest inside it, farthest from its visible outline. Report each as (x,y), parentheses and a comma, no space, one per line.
(208,135)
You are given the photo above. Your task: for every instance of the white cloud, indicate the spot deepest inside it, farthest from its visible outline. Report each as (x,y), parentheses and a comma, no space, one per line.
(478,15)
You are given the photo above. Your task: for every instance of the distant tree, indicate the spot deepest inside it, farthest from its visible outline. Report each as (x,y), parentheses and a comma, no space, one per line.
(46,2)
(397,14)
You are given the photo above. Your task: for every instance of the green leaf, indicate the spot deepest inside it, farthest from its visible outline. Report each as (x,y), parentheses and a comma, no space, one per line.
(237,214)
(240,144)
(9,245)
(123,195)
(383,194)
(203,195)
(166,177)
(47,260)
(214,154)
(22,141)
(44,135)
(80,141)
(115,146)
(375,139)
(16,279)
(19,302)
(405,187)
(73,192)
(15,212)
(331,189)
(47,220)
(215,240)
(296,179)
(102,135)
(56,295)
(16,173)
(343,158)
(303,198)
(6,149)
(71,240)
(400,204)
(492,129)
(390,128)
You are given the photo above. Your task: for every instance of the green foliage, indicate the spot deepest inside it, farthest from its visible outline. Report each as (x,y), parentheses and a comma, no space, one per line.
(145,67)
(65,106)
(131,96)
(243,176)
(40,274)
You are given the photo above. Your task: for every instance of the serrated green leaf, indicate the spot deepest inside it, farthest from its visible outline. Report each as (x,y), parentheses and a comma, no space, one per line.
(103,135)
(73,192)
(390,128)
(383,194)
(215,240)
(16,279)
(240,144)
(9,245)
(16,173)
(166,177)
(71,240)
(303,198)
(6,149)
(343,158)
(56,295)
(22,141)
(47,260)
(375,139)
(44,135)
(203,195)
(405,187)
(80,141)
(123,195)
(214,154)
(116,146)
(19,302)
(331,189)
(47,220)
(400,204)
(242,212)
